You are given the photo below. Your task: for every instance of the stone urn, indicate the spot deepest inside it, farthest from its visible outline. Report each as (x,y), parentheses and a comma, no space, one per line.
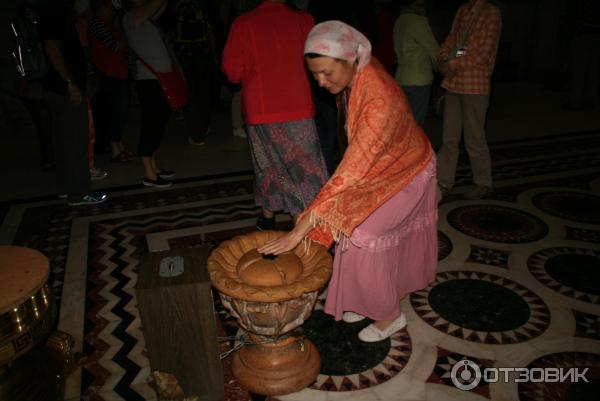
(270,297)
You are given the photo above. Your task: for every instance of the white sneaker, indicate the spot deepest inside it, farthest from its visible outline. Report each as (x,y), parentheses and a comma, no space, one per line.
(92,198)
(352,317)
(371,333)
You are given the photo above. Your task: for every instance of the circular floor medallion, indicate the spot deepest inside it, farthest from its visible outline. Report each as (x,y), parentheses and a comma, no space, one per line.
(573,272)
(497,224)
(348,364)
(574,206)
(481,307)
(573,388)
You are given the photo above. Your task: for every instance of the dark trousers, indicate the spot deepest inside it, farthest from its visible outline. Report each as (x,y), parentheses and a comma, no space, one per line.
(418,98)
(113,100)
(198,73)
(42,119)
(70,140)
(464,113)
(155,114)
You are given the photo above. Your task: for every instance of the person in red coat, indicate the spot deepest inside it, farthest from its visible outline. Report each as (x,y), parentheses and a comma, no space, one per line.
(264,52)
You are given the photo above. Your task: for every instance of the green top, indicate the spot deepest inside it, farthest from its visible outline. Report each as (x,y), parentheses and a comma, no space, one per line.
(416,50)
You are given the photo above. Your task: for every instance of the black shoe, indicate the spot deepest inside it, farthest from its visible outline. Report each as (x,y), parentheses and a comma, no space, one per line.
(158,183)
(166,174)
(263,224)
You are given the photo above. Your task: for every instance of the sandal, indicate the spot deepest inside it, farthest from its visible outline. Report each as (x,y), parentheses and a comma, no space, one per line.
(123,157)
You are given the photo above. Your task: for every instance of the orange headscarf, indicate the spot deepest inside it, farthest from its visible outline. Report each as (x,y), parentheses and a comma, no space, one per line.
(386,150)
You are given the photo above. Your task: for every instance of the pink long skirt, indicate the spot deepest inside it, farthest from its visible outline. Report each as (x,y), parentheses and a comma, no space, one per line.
(391,254)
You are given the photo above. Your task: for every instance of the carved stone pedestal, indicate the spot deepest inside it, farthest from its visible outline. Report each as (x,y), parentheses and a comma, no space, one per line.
(275,368)
(271,297)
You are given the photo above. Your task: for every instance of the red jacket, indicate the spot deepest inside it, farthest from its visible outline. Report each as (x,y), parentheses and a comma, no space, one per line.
(265,52)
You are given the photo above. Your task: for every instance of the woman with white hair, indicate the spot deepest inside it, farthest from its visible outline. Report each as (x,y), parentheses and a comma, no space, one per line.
(380,204)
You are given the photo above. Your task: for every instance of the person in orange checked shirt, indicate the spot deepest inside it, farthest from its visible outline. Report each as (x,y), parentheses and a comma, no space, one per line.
(466,59)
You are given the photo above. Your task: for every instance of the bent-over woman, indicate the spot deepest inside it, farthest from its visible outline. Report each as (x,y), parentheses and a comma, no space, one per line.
(380,204)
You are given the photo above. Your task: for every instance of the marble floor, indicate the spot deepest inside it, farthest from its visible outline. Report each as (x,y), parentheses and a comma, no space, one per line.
(518,281)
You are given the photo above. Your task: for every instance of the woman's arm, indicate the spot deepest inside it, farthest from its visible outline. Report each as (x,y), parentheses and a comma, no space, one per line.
(289,240)
(99,30)
(233,58)
(57,61)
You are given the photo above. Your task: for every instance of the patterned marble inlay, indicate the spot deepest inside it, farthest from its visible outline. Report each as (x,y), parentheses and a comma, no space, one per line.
(347,364)
(583,235)
(446,360)
(473,306)
(573,272)
(392,363)
(570,389)
(444,245)
(497,223)
(488,256)
(117,367)
(574,206)
(588,325)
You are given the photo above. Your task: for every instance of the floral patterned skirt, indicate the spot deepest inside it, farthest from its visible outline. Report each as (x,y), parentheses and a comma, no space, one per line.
(288,165)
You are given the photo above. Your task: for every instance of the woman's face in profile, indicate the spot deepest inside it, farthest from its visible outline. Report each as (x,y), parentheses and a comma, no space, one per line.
(332,74)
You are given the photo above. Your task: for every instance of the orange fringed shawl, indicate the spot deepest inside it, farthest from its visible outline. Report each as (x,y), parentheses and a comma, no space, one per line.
(386,150)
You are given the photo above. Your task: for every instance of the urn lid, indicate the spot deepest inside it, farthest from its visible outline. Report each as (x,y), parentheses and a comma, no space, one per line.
(256,269)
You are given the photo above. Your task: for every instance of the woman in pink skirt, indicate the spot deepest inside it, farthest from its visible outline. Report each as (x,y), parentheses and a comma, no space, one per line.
(380,204)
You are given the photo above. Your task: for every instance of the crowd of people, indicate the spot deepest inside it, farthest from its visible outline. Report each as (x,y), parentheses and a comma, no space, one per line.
(102,54)
(336,136)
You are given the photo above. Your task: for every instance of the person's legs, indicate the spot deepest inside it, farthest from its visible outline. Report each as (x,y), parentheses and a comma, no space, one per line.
(70,139)
(447,155)
(155,114)
(118,94)
(42,119)
(474,108)
(262,169)
(237,119)
(418,98)
(197,71)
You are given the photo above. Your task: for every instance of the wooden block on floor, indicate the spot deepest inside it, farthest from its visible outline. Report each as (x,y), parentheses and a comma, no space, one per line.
(178,322)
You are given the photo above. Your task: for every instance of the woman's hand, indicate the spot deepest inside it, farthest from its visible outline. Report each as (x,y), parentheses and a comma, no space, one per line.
(289,240)
(286,242)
